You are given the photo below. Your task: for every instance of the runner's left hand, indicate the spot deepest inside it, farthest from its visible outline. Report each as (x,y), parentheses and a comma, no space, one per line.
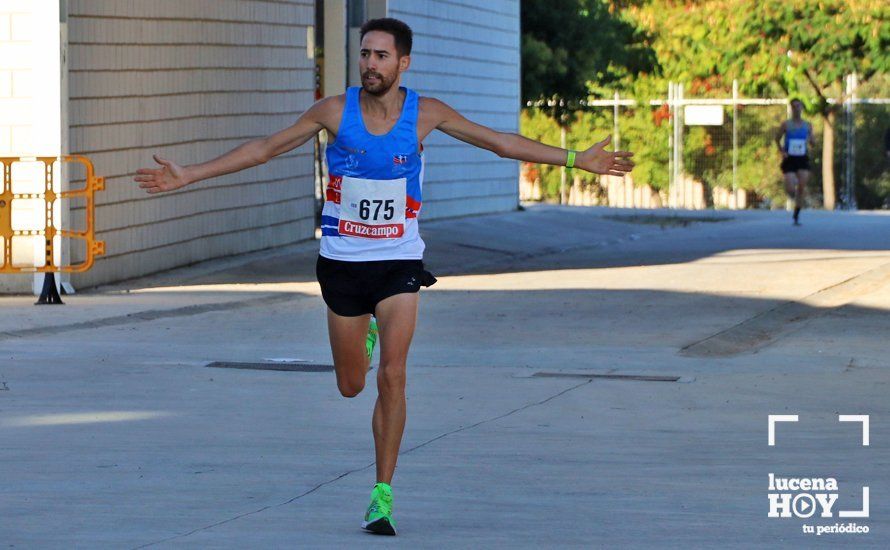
(599,161)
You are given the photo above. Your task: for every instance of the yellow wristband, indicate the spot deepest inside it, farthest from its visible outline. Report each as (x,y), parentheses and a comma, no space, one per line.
(570,159)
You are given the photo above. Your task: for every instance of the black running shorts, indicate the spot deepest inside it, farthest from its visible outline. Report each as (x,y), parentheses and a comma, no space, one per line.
(351,289)
(793,164)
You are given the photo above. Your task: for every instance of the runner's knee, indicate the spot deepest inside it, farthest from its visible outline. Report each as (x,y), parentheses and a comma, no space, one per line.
(350,388)
(392,377)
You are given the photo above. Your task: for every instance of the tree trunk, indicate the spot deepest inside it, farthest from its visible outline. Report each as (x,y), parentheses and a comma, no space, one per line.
(828,189)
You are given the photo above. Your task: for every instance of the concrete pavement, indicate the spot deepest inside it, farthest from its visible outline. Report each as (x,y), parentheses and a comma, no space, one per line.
(117,434)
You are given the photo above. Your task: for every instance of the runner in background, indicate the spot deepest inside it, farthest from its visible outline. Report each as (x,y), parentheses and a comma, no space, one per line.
(798,137)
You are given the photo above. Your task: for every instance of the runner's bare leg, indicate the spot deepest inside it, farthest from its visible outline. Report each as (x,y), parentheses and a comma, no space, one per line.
(347,336)
(803,176)
(791,185)
(396,319)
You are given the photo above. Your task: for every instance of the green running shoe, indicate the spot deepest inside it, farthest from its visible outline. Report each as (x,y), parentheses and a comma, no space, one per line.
(372,338)
(378,518)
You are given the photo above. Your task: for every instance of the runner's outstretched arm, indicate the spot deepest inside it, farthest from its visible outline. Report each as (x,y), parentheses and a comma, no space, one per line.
(258,151)
(506,145)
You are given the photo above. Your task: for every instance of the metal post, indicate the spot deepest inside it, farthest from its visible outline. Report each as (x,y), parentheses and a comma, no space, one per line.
(562,169)
(735,143)
(671,188)
(678,192)
(850,149)
(847,90)
(616,144)
(853,101)
(678,144)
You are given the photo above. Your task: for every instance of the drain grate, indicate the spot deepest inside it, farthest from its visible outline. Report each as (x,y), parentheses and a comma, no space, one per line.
(637,377)
(282,366)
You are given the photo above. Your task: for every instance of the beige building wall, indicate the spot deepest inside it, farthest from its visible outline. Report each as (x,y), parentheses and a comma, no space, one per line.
(189,80)
(467,54)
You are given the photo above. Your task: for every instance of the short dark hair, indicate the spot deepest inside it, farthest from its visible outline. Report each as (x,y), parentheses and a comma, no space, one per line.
(399,30)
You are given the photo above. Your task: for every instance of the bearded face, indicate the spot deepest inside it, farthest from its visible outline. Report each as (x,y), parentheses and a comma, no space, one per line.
(380,63)
(377,83)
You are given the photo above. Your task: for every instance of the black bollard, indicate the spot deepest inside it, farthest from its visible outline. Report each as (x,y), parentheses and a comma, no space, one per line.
(49,295)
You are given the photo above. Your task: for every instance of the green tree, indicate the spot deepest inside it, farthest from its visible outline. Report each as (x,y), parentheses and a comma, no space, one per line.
(566,44)
(689,40)
(576,49)
(803,45)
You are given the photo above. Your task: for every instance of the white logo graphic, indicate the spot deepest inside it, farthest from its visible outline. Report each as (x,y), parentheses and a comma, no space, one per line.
(773,418)
(857,418)
(807,497)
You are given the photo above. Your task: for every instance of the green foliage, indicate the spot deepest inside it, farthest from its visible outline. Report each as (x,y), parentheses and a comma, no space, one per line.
(707,149)
(872,168)
(537,125)
(637,131)
(568,43)
(573,49)
(803,45)
(708,157)
(688,41)
(806,45)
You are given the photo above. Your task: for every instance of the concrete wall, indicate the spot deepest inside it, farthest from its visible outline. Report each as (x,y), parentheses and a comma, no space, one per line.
(467,54)
(189,80)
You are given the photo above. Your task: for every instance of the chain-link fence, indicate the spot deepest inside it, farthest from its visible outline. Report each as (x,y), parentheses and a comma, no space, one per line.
(863,144)
(715,152)
(865,159)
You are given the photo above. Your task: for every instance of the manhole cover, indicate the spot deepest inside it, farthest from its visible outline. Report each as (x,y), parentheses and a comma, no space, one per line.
(293,367)
(637,377)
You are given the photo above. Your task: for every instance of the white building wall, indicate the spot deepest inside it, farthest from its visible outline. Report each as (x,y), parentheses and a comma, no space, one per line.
(467,54)
(189,80)
(30,110)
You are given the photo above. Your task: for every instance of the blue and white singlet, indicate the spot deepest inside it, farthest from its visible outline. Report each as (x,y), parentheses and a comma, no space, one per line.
(374,188)
(796,139)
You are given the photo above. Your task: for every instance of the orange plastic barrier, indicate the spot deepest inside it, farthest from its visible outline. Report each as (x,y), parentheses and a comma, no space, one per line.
(51,230)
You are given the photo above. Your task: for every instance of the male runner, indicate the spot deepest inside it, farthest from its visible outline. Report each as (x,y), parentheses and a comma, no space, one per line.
(371,251)
(798,134)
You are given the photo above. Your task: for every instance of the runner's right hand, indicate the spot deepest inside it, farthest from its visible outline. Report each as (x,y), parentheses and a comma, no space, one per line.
(167,178)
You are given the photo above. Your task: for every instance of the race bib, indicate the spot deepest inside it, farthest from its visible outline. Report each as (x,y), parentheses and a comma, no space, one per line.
(372,209)
(797,147)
